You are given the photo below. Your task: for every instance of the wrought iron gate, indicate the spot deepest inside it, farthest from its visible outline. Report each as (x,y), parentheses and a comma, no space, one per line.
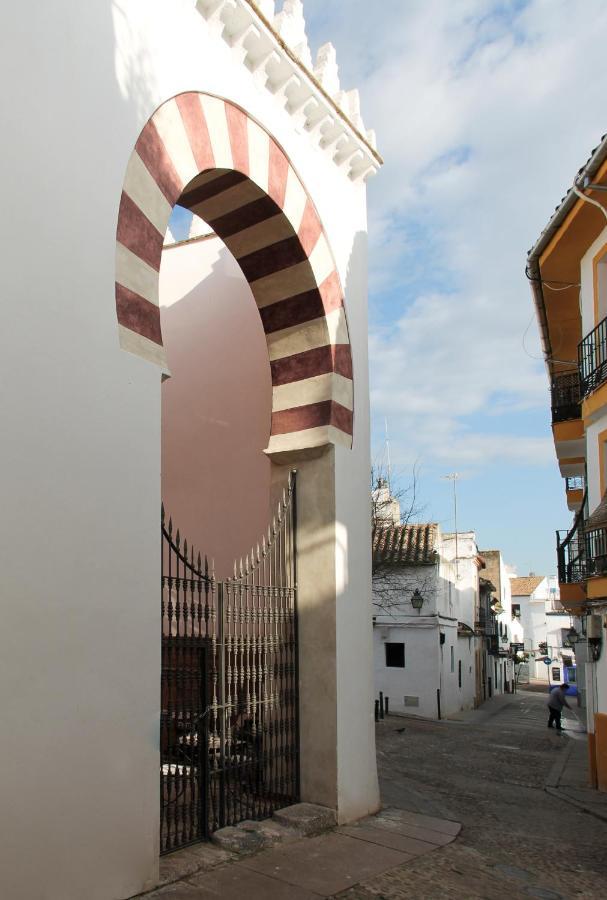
(229,729)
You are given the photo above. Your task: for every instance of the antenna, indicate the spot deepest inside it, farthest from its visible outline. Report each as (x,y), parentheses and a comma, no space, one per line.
(453,476)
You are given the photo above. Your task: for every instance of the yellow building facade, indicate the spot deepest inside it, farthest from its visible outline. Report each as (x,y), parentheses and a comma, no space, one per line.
(567,269)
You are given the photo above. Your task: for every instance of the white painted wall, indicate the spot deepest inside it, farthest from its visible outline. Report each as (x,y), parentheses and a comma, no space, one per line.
(420,679)
(464,581)
(599,422)
(81,439)
(542,625)
(587,282)
(450,597)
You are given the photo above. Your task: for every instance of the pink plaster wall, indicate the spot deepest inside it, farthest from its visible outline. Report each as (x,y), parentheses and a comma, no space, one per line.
(216,406)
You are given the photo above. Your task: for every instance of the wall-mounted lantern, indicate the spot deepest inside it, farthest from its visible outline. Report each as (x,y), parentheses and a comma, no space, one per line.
(594,637)
(572,638)
(417,601)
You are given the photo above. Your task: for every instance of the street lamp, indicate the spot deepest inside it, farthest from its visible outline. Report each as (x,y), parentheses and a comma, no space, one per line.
(417,601)
(572,637)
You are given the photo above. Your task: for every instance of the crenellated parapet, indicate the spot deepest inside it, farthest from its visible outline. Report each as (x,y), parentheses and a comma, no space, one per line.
(274,47)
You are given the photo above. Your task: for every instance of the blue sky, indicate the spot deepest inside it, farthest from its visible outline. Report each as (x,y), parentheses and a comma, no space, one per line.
(483,112)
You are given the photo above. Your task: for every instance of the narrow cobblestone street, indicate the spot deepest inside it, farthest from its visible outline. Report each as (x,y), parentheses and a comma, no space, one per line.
(488,772)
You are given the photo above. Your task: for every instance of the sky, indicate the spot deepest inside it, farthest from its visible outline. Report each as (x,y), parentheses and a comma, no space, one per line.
(484,112)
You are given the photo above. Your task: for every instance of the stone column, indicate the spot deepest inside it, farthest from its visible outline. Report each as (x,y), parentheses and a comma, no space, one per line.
(337,748)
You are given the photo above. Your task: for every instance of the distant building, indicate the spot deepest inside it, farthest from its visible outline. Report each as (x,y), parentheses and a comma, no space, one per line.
(509,628)
(546,625)
(385,509)
(426,606)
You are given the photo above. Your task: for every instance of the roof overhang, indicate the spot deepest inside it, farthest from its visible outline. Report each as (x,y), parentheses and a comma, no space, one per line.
(555,259)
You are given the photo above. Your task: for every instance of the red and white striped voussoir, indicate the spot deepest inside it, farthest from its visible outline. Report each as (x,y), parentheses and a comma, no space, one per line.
(241,183)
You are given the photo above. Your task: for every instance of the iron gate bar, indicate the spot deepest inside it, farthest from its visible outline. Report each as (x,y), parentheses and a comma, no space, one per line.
(230,703)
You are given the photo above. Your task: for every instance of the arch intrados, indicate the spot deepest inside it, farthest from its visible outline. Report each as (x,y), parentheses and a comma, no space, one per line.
(209,156)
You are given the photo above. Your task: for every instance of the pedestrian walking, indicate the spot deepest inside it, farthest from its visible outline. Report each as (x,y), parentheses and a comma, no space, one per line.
(556,701)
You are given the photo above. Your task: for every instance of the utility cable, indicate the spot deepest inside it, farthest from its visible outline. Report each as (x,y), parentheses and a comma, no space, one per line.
(582,196)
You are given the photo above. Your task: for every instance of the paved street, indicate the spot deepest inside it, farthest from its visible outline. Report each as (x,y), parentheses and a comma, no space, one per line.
(488,773)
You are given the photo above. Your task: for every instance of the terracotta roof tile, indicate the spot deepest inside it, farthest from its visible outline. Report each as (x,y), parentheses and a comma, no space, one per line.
(523,587)
(406,544)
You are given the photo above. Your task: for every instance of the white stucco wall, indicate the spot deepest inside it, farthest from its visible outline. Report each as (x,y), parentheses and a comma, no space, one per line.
(587,282)
(599,420)
(81,424)
(542,625)
(450,597)
(420,679)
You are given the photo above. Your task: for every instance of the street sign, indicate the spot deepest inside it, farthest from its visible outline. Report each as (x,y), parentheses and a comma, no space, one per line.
(547,661)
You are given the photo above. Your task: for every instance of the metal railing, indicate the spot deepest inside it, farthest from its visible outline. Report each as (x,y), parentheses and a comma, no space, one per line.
(571,551)
(592,358)
(229,723)
(574,483)
(486,622)
(596,551)
(565,397)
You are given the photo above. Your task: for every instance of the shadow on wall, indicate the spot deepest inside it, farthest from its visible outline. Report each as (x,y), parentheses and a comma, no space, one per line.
(216,407)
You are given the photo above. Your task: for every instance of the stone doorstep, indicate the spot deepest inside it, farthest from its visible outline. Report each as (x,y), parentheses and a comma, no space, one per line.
(392,829)
(230,843)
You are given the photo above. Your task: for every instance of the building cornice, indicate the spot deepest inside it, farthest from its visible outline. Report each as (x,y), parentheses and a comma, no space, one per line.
(274,48)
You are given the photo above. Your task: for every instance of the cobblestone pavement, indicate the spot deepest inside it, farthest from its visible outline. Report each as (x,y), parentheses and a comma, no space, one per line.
(488,773)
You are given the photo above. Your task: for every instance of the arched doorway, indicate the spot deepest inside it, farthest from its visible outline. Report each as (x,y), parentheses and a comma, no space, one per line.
(209,157)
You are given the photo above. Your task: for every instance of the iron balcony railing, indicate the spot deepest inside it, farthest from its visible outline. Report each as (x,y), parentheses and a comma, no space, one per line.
(592,358)
(565,397)
(571,550)
(486,623)
(574,483)
(596,551)
(581,552)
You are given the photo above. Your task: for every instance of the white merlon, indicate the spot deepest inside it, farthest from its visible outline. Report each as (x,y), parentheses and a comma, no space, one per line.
(291,26)
(274,47)
(326,71)
(267,8)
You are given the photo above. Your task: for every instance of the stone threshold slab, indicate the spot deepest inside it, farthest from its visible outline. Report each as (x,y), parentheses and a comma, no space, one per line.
(305,867)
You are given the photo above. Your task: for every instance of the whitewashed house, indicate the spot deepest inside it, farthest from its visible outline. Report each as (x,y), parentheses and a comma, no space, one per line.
(509,632)
(546,624)
(425,595)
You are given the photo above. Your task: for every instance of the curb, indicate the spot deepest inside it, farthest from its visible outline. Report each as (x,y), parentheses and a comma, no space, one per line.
(551,785)
(558,767)
(586,809)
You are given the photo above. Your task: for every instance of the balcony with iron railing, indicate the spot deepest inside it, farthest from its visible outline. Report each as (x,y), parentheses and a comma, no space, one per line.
(596,552)
(574,483)
(486,623)
(582,551)
(571,551)
(592,359)
(565,397)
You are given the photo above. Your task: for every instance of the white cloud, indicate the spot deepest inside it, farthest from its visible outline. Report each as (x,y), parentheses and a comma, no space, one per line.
(484,112)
